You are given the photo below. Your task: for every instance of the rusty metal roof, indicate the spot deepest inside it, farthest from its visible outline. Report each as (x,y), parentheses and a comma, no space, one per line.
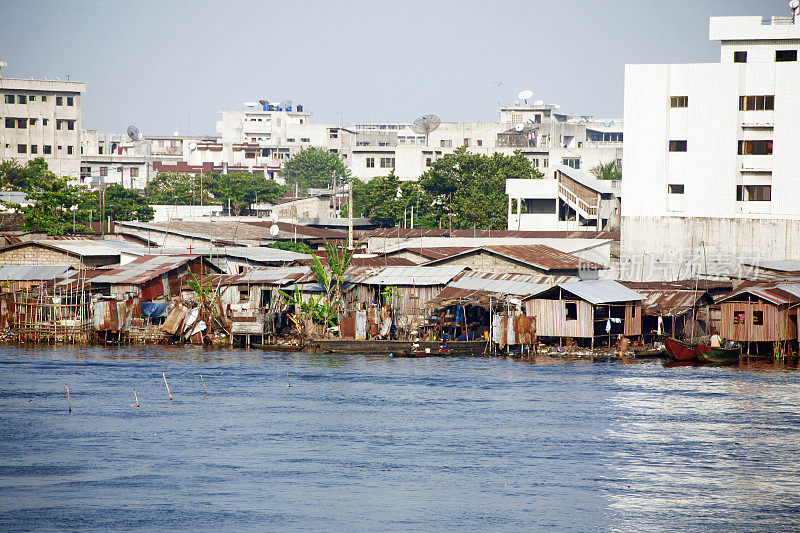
(34,272)
(537,255)
(778,294)
(143,269)
(408,233)
(75,247)
(479,286)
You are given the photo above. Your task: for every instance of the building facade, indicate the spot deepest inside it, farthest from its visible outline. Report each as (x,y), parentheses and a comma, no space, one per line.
(41,118)
(712,166)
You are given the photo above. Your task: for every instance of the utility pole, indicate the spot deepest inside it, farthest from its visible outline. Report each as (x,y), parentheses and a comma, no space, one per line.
(350,215)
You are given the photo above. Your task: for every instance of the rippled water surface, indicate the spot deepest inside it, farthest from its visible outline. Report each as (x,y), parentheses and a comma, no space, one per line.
(373,443)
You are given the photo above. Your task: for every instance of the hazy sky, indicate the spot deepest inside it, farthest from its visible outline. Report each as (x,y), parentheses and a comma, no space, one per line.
(168,66)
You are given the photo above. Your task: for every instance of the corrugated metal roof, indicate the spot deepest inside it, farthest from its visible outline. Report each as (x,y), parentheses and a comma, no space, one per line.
(791,288)
(274,276)
(668,302)
(263,254)
(479,286)
(143,269)
(585,179)
(414,275)
(787,265)
(408,233)
(537,255)
(601,291)
(79,247)
(778,294)
(33,272)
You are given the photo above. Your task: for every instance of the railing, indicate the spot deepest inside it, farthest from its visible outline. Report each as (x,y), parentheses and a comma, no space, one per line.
(569,195)
(769,21)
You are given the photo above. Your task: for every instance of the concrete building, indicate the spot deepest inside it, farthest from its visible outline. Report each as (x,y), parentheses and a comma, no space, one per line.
(711,165)
(565,199)
(41,118)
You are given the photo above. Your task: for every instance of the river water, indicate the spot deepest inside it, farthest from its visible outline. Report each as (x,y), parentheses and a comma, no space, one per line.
(373,443)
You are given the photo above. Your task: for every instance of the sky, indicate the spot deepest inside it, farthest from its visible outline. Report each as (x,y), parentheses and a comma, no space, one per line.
(172,66)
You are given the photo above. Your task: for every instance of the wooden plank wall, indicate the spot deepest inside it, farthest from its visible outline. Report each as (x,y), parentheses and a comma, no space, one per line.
(551,318)
(776,326)
(633,319)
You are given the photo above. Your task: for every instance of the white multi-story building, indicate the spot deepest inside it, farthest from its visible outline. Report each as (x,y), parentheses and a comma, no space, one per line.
(41,118)
(712,154)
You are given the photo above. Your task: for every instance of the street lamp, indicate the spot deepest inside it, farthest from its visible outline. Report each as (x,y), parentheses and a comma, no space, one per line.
(74,210)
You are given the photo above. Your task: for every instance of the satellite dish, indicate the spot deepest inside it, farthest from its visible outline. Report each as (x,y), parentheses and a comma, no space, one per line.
(524,95)
(425,124)
(133,133)
(273,230)
(539,102)
(176,133)
(192,146)
(519,126)
(250,104)
(794,4)
(286,103)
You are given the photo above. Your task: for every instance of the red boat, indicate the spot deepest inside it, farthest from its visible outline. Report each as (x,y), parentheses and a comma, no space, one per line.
(681,351)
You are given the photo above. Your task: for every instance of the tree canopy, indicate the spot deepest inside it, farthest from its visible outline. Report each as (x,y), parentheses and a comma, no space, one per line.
(313,167)
(608,171)
(121,204)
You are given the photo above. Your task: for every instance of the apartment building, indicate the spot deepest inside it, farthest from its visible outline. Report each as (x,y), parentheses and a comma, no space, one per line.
(41,118)
(712,154)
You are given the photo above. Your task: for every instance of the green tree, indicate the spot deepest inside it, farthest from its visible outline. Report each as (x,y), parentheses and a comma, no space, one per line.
(313,167)
(299,247)
(608,171)
(176,188)
(120,203)
(380,199)
(51,211)
(468,189)
(242,189)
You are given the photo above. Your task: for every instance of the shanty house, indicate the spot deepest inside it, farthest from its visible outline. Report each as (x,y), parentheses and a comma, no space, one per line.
(520,259)
(591,309)
(758,313)
(77,253)
(152,276)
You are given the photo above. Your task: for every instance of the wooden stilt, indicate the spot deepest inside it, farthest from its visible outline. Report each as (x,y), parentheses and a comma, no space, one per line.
(167,384)
(69,401)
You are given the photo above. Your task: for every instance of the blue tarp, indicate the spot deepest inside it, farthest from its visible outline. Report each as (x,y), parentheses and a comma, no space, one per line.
(154,309)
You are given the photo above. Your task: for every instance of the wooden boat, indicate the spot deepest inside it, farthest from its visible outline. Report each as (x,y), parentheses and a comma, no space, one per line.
(680,351)
(423,353)
(386,347)
(718,355)
(278,347)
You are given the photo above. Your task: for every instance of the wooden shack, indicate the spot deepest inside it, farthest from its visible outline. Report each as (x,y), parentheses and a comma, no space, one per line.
(598,310)
(761,314)
(152,276)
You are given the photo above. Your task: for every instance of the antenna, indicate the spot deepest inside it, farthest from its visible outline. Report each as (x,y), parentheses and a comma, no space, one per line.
(524,95)
(133,133)
(426,124)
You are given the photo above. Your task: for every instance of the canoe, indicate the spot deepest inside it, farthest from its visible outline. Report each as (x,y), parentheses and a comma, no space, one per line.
(278,347)
(680,351)
(422,353)
(386,347)
(719,356)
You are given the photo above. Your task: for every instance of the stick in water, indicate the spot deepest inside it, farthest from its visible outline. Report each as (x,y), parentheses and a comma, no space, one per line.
(167,384)
(137,399)
(69,401)
(204,384)
(288,383)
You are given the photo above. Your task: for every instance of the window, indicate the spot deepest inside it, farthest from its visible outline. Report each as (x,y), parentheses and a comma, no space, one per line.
(427,161)
(9,98)
(11,122)
(289,140)
(70,100)
(571,309)
(785,55)
(677,146)
(740,57)
(33,121)
(466,143)
(535,162)
(738,317)
(755,147)
(44,98)
(244,294)
(572,162)
(756,103)
(45,121)
(679,101)
(100,149)
(758,318)
(22,99)
(249,155)
(544,165)
(34,148)
(305,140)
(47,149)
(370,162)
(753,193)
(32,98)
(59,100)
(446,143)
(70,149)
(60,124)
(135,172)
(22,123)
(22,148)
(675,188)
(387,162)
(70,124)
(480,142)
(103,171)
